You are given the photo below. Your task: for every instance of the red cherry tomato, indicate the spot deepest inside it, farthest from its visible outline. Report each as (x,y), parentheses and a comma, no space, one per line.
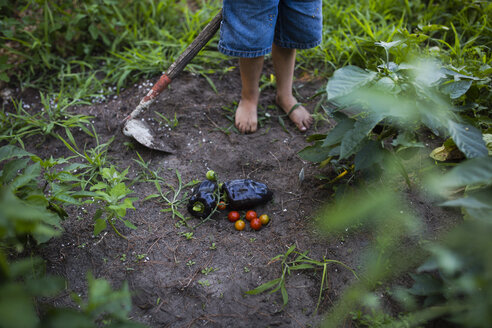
(239,225)
(221,206)
(250,215)
(255,224)
(233,216)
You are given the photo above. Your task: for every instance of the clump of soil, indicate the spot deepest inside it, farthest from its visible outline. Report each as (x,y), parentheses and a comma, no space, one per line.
(181,280)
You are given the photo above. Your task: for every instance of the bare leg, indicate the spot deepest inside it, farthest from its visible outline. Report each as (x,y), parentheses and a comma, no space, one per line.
(246,113)
(284,63)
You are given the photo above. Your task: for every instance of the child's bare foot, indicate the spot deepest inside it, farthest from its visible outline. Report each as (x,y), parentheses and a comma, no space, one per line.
(246,116)
(296,112)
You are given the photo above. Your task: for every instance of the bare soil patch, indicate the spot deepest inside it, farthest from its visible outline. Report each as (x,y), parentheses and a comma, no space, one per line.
(163,267)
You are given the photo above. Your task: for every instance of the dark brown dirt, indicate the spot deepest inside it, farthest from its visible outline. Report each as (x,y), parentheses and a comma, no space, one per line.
(167,282)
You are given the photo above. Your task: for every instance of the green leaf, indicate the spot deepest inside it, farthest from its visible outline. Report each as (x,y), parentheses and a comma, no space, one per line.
(264,287)
(99,186)
(352,139)
(66,318)
(12,169)
(476,204)
(30,174)
(45,286)
(4,77)
(388,45)
(336,134)
(10,151)
(283,290)
(469,202)
(150,197)
(302,266)
(316,153)
(456,89)
(17,307)
(98,214)
(129,224)
(425,284)
(371,153)
(119,190)
(347,79)
(102,299)
(290,250)
(468,139)
(99,226)
(67,199)
(93,31)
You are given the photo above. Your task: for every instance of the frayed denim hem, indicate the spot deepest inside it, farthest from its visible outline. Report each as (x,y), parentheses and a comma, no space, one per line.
(244,54)
(296,45)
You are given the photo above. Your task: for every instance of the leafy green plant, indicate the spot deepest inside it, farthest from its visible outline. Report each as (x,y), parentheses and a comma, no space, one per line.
(95,159)
(300,262)
(174,198)
(208,270)
(386,107)
(25,209)
(169,123)
(24,288)
(112,192)
(105,305)
(455,283)
(453,275)
(23,123)
(474,178)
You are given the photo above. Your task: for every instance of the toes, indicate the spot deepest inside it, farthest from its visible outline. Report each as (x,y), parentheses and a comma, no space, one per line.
(302,127)
(246,128)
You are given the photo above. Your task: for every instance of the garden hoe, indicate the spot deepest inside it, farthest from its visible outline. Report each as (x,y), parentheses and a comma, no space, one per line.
(140,130)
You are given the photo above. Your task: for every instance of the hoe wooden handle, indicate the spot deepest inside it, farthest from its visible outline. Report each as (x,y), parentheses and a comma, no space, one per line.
(200,41)
(179,64)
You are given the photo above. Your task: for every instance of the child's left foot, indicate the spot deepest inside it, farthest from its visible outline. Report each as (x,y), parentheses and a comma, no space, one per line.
(296,112)
(246,120)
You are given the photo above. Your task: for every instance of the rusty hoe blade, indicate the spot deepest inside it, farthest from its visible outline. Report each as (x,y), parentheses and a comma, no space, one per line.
(140,131)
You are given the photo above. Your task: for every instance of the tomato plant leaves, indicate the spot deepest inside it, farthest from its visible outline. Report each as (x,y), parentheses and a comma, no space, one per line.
(347,79)
(456,89)
(336,134)
(471,172)
(468,139)
(371,153)
(352,139)
(317,153)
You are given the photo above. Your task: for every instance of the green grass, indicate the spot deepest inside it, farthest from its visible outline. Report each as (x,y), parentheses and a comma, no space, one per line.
(47,46)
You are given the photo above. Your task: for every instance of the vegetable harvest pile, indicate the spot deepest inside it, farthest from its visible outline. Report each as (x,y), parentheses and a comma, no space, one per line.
(238,194)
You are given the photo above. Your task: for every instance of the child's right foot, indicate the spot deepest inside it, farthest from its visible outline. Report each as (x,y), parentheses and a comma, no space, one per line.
(296,112)
(246,117)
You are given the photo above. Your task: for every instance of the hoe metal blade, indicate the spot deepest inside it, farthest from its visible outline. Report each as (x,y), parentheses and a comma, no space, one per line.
(141,131)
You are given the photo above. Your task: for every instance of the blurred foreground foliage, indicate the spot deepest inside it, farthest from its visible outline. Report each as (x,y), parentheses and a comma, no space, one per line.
(29,216)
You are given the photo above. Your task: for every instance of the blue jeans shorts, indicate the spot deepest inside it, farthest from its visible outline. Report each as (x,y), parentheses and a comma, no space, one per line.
(250,27)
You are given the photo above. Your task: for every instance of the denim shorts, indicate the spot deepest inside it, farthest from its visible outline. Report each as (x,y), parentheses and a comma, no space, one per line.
(250,27)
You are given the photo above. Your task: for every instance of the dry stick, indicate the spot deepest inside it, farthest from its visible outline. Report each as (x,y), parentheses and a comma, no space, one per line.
(279,167)
(155,242)
(207,317)
(299,324)
(218,128)
(196,272)
(255,308)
